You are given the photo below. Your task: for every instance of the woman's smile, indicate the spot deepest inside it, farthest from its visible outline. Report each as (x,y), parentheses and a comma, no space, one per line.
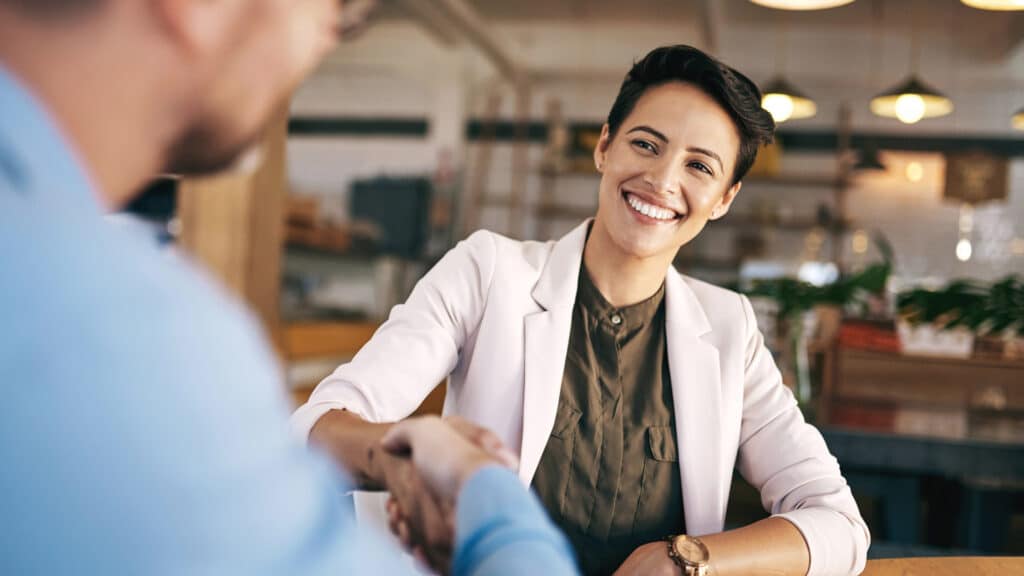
(649,211)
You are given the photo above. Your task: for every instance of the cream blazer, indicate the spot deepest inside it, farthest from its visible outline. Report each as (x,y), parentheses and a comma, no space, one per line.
(493,316)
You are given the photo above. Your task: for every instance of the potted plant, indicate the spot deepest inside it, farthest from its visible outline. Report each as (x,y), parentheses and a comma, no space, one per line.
(795,298)
(946,321)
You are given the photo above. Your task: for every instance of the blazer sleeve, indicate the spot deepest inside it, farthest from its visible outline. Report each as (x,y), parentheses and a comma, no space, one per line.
(416,348)
(787,460)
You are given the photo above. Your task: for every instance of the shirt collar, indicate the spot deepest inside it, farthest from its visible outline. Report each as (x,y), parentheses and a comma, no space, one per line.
(629,317)
(35,156)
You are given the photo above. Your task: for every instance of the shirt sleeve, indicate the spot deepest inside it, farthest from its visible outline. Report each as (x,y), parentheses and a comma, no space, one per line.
(418,346)
(802,483)
(502,529)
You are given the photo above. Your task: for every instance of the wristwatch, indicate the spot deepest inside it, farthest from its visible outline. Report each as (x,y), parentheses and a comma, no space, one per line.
(689,553)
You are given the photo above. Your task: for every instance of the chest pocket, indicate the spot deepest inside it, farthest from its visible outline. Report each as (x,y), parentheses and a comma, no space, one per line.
(660,506)
(566,422)
(551,480)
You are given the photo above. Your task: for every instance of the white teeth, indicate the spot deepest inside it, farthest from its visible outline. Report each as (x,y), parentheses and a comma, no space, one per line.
(649,210)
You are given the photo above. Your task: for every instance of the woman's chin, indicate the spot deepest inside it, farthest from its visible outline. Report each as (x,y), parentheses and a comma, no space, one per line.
(643,246)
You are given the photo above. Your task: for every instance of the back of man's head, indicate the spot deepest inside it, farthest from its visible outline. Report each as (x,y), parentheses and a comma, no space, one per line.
(52,8)
(143,86)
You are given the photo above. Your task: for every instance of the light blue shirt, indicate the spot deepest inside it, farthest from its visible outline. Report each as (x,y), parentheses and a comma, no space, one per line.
(143,425)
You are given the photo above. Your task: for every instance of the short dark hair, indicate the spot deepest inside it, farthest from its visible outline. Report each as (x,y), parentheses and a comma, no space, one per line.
(733,91)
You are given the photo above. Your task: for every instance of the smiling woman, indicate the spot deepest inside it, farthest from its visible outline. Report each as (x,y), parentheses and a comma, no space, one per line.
(629,391)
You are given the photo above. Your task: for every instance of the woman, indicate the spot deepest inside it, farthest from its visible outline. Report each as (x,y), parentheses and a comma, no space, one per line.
(628,391)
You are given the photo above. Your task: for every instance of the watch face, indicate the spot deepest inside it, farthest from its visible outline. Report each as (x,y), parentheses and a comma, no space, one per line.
(691,550)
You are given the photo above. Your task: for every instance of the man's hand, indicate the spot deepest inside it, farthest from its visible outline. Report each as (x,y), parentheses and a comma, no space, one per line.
(650,559)
(428,460)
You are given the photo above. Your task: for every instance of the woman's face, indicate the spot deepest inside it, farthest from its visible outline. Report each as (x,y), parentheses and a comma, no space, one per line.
(666,172)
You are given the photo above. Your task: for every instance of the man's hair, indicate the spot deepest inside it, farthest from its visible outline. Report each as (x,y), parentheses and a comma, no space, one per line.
(52,8)
(733,91)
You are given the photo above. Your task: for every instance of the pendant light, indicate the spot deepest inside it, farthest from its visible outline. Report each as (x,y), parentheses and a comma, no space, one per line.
(1000,5)
(912,99)
(785,102)
(1018,120)
(801,4)
(780,98)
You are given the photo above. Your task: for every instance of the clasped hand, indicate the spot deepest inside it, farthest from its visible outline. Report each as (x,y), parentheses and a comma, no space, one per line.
(424,463)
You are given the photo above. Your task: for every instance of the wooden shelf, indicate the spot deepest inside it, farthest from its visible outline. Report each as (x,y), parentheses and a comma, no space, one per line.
(796,181)
(306,340)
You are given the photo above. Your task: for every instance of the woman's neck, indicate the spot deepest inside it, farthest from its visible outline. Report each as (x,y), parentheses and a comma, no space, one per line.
(622,278)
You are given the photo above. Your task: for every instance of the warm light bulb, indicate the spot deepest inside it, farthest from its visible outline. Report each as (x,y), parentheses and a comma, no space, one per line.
(860,242)
(780,106)
(1018,121)
(909,108)
(915,172)
(963,250)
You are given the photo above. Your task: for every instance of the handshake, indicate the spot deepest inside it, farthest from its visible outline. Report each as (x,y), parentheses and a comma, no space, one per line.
(424,463)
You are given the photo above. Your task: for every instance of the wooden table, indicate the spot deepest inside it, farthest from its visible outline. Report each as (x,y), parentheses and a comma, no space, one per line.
(973,566)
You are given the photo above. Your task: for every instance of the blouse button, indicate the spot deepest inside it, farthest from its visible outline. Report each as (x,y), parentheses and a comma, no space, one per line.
(616,319)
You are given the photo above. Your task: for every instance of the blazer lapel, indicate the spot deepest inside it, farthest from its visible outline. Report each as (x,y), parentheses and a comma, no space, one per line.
(546,335)
(696,380)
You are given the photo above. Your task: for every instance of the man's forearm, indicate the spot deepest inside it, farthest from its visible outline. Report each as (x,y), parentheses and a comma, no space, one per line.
(355,444)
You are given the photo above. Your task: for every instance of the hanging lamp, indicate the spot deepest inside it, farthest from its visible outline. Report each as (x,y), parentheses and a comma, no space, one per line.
(1000,5)
(912,99)
(785,102)
(780,98)
(801,4)
(1018,120)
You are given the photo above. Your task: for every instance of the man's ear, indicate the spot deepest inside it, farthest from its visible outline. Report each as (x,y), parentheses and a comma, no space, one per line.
(200,27)
(601,149)
(722,208)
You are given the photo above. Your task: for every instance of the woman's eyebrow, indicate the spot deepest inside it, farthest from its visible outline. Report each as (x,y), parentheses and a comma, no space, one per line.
(709,154)
(650,131)
(695,149)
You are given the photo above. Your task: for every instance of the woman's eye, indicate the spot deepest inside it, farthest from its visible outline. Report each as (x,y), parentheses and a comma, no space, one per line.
(702,167)
(645,145)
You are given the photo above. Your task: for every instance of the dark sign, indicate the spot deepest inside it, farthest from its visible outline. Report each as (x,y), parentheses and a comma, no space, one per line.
(975,177)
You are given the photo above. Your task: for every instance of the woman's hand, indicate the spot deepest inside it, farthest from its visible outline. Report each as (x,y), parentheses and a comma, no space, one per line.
(428,460)
(649,560)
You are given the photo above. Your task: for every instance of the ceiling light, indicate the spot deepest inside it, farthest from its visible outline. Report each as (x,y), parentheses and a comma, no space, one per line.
(1004,5)
(784,102)
(911,101)
(801,4)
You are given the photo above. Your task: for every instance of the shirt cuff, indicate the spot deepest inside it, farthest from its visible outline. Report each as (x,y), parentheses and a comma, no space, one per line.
(492,493)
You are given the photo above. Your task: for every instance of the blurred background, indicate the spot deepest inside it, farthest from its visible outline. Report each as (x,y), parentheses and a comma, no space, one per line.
(881,237)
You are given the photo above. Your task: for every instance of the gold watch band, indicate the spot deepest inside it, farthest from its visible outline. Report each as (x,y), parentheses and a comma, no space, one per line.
(692,557)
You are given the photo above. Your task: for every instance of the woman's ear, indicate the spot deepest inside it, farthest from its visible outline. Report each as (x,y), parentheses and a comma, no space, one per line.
(601,149)
(722,208)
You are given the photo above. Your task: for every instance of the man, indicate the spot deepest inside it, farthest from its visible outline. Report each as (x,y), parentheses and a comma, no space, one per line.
(143,428)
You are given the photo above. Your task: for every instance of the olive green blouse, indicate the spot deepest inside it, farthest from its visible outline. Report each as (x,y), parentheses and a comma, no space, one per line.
(609,475)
